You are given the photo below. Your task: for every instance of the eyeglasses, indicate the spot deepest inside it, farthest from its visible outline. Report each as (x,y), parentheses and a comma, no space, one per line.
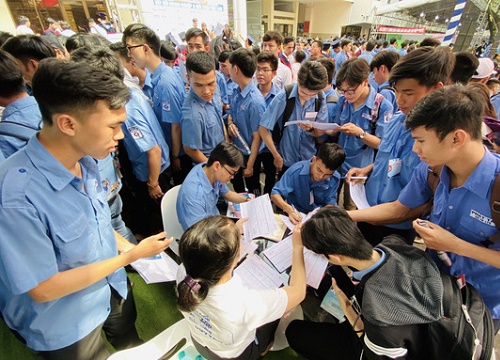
(130,47)
(231,173)
(263,70)
(349,91)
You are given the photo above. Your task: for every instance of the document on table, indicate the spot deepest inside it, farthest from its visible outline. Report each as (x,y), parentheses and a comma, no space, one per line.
(305,217)
(160,268)
(315,124)
(256,274)
(280,255)
(358,195)
(259,212)
(247,248)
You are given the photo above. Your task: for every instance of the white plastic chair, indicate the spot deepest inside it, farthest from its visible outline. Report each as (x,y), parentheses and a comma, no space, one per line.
(170,341)
(171,222)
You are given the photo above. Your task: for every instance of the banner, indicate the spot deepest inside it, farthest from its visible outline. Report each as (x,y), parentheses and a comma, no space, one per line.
(454,21)
(396,30)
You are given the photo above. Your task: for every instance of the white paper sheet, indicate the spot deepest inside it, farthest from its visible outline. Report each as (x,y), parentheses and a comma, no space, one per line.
(160,268)
(280,255)
(358,195)
(256,274)
(315,124)
(247,248)
(305,217)
(260,216)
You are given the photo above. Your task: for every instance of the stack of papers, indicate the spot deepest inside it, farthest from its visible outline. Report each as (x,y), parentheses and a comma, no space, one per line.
(256,274)
(160,268)
(260,216)
(315,124)
(358,195)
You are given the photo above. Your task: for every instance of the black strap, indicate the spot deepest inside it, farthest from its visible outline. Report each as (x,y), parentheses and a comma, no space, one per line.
(290,104)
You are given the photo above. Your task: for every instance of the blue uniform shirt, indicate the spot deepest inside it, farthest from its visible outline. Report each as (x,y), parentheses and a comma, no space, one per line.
(389,95)
(393,167)
(298,189)
(202,127)
(247,107)
(147,88)
(197,198)
(330,106)
(142,132)
(110,181)
(167,99)
(495,100)
(296,144)
(357,153)
(368,56)
(221,84)
(339,60)
(24,111)
(52,221)
(465,212)
(271,95)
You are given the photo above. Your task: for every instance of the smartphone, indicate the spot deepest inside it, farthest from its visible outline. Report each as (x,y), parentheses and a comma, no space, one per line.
(343,281)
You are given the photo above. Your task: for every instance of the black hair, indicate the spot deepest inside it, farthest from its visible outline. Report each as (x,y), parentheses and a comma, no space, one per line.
(288,39)
(344,42)
(55,42)
(312,75)
(332,155)
(142,34)
(4,36)
(167,51)
(74,88)
(208,250)
(224,55)
(226,154)
(270,58)
(448,109)
(387,58)
(319,42)
(99,57)
(300,56)
(393,41)
(330,231)
(370,45)
(353,72)
(121,49)
(195,32)
(427,65)
(200,62)
(465,67)
(245,60)
(80,40)
(11,76)
(26,47)
(329,67)
(273,35)
(430,42)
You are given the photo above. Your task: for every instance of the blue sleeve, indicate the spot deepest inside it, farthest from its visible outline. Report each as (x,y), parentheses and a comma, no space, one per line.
(274,112)
(191,125)
(417,192)
(384,117)
(331,199)
(256,112)
(223,189)
(285,185)
(171,104)
(137,127)
(338,109)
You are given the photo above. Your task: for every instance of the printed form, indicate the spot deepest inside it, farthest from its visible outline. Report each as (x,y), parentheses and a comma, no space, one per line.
(159,268)
(259,212)
(256,274)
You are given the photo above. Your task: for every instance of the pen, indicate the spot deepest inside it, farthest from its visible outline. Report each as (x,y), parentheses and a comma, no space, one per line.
(296,212)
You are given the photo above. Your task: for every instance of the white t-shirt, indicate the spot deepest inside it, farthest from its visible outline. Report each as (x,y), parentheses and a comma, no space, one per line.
(283,76)
(23,29)
(227,320)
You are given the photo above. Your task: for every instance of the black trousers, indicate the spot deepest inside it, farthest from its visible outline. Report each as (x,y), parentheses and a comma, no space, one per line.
(375,234)
(119,329)
(264,335)
(186,166)
(324,341)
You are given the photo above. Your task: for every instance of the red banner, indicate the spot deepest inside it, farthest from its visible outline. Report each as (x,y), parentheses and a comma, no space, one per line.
(396,30)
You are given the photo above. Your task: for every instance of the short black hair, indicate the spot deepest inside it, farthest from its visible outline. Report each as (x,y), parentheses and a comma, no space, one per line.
(26,47)
(370,45)
(195,32)
(273,35)
(226,154)
(11,76)
(332,155)
(200,62)
(300,56)
(448,109)
(288,39)
(224,55)
(392,41)
(4,36)
(329,66)
(387,58)
(167,51)
(245,60)
(465,67)
(428,41)
(142,34)
(345,42)
(312,75)
(331,231)
(427,65)
(74,88)
(100,57)
(270,58)
(80,40)
(353,72)
(120,48)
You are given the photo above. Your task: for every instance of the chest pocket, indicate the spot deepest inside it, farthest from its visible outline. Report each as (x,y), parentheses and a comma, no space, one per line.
(75,243)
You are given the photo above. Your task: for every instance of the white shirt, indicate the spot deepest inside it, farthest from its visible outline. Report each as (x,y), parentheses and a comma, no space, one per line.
(96,29)
(283,76)
(23,29)
(226,321)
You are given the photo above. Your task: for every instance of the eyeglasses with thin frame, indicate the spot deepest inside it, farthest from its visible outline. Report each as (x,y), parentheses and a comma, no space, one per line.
(231,173)
(263,70)
(130,47)
(349,92)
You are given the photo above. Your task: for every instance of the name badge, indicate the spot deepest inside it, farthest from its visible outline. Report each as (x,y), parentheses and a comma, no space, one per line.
(394,168)
(311,115)
(311,198)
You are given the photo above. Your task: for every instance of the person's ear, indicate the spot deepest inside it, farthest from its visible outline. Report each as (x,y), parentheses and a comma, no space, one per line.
(67,124)
(459,137)
(335,259)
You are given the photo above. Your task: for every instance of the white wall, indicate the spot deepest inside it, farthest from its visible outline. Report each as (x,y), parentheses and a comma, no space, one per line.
(6,22)
(327,18)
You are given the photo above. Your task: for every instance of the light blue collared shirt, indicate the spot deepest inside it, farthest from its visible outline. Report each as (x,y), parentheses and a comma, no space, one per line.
(358,275)
(52,221)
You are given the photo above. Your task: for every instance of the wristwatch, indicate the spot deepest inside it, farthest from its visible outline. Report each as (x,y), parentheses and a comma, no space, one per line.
(362,135)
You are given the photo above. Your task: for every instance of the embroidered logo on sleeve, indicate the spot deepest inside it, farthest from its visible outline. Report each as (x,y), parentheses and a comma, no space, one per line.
(135,132)
(387,116)
(166,105)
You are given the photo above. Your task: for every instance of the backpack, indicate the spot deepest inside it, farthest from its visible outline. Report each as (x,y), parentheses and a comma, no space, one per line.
(466,329)
(433,178)
(290,104)
(375,111)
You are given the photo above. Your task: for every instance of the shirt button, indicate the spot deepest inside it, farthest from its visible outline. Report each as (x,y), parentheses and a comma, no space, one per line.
(450,207)
(22,171)
(108,309)
(447,228)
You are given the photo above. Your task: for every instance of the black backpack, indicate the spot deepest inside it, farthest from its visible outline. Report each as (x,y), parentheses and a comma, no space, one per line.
(290,104)
(466,330)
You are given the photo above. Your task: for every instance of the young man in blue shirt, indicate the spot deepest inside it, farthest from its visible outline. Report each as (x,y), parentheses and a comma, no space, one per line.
(267,65)
(310,184)
(298,141)
(204,184)
(446,127)
(413,77)
(61,280)
(381,66)
(202,126)
(246,108)
(21,117)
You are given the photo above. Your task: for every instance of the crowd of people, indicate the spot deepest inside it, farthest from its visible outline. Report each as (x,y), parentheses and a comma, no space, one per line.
(94,133)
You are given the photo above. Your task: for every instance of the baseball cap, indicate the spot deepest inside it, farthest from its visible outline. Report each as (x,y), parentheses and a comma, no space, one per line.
(485,69)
